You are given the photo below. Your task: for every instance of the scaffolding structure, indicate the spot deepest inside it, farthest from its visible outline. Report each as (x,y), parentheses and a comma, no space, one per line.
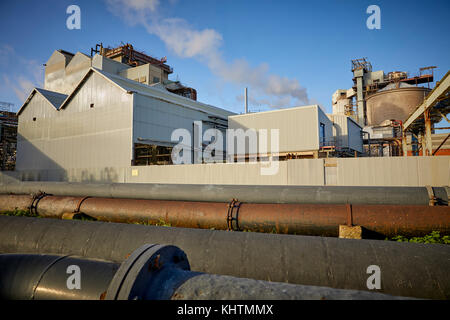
(435,107)
(128,55)
(8,136)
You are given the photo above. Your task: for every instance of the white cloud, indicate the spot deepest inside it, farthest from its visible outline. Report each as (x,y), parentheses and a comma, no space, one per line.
(25,75)
(204,45)
(183,40)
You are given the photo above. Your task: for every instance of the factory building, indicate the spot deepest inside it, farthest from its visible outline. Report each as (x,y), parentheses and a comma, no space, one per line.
(90,115)
(304,132)
(64,70)
(381,103)
(116,110)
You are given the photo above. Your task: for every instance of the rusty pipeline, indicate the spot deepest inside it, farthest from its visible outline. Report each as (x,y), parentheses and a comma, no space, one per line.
(304,219)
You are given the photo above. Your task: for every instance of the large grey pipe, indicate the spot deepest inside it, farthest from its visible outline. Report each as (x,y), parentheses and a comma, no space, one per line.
(244,193)
(407,269)
(152,272)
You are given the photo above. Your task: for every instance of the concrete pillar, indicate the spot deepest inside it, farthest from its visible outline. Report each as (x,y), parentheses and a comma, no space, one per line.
(350,232)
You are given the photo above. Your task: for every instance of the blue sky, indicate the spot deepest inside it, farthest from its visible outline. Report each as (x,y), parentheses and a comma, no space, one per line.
(288,53)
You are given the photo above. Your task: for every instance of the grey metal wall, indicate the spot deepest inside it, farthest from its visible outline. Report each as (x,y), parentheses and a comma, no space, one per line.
(78,136)
(298,127)
(75,71)
(55,72)
(144,73)
(156,118)
(322,118)
(108,65)
(347,134)
(394,171)
(355,140)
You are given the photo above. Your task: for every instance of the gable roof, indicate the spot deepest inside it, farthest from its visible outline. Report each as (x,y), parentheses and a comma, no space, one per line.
(55,99)
(131,86)
(79,55)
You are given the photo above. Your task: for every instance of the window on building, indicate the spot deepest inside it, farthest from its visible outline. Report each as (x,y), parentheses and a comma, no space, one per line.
(34,118)
(148,154)
(322,134)
(92,105)
(155,79)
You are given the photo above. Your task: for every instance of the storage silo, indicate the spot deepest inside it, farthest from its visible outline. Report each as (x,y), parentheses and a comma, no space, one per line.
(396,101)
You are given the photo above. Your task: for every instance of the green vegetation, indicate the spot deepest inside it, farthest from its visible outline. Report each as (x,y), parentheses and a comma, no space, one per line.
(19,213)
(160,223)
(433,237)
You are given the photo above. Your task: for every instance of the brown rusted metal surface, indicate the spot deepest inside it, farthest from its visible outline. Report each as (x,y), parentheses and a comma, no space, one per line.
(79,204)
(349,215)
(395,104)
(15,202)
(305,219)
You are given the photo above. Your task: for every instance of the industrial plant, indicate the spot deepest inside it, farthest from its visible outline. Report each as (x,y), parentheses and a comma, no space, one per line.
(92,152)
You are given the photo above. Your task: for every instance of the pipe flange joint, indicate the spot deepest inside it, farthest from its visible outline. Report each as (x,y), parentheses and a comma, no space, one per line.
(136,275)
(233,215)
(35,200)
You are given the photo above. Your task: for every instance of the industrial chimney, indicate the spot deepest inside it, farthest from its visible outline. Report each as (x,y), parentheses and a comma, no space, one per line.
(246,101)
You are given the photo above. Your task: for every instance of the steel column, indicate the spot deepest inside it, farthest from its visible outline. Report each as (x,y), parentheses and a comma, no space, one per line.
(428,151)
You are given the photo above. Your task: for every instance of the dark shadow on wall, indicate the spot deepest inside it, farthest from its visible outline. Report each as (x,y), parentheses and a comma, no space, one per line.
(107,174)
(34,165)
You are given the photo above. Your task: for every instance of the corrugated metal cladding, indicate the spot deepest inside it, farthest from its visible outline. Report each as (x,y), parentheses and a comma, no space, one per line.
(347,133)
(355,141)
(93,130)
(55,71)
(97,124)
(75,71)
(298,127)
(161,93)
(392,171)
(156,119)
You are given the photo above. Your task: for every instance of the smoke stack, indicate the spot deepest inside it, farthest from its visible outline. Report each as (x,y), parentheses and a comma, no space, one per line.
(246,101)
